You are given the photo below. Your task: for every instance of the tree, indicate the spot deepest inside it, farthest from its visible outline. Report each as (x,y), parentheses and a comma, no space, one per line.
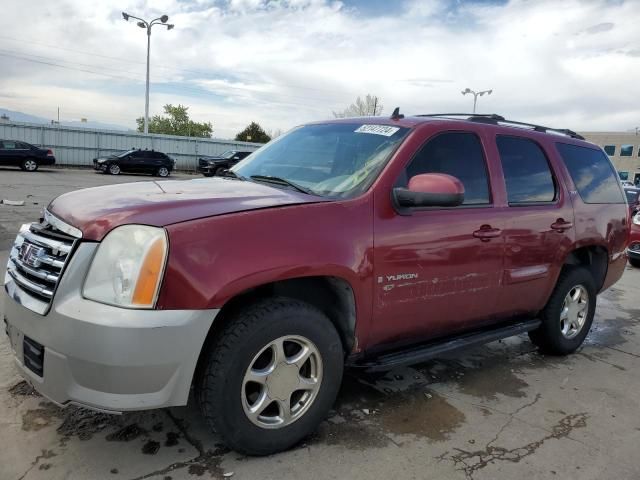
(369,107)
(253,133)
(176,121)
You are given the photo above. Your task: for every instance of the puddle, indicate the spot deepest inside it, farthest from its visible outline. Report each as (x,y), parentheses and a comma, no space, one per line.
(151,447)
(427,415)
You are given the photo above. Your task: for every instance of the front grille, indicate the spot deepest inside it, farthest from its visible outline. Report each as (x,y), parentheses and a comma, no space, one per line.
(38,257)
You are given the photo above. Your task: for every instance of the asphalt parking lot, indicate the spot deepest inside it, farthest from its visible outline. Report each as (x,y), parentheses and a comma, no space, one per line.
(501,411)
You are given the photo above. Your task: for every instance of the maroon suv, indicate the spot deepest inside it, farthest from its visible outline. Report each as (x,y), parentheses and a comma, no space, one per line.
(368,243)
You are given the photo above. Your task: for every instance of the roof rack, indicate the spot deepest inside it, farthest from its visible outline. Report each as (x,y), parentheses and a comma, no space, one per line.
(494,119)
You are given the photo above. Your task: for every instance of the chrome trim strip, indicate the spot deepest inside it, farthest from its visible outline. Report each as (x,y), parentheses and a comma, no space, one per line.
(26,283)
(48,259)
(23,298)
(41,274)
(54,221)
(54,245)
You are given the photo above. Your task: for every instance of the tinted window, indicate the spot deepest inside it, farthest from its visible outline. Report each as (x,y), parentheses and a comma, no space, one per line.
(457,154)
(610,150)
(632,195)
(592,173)
(626,150)
(526,171)
(9,145)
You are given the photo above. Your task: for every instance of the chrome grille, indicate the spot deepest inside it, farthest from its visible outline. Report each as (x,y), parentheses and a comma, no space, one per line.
(37,260)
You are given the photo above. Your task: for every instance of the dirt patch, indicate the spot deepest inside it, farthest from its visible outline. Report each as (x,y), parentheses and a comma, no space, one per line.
(23,389)
(39,418)
(151,447)
(126,434)
(84,423)
(172,439)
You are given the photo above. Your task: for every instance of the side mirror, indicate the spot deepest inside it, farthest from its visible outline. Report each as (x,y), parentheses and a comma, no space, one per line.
(430,190)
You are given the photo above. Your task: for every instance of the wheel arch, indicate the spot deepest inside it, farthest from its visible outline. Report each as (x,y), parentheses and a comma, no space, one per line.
(333,296)
(594,258)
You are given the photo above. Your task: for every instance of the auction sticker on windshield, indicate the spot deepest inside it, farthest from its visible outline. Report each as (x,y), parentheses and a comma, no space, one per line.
(384,130)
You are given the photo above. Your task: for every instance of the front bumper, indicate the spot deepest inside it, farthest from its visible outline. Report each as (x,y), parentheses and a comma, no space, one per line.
(105,357)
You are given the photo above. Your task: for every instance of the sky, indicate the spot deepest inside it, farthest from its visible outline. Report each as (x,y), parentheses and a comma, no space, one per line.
(565,64)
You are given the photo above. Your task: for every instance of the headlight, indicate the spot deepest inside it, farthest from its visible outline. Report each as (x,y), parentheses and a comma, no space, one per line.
(102,160)
(636,219)
(127,269)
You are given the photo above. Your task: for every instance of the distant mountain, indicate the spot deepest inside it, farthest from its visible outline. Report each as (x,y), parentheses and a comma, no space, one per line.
(24,117)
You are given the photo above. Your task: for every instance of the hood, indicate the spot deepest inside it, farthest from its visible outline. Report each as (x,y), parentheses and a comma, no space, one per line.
(96,211)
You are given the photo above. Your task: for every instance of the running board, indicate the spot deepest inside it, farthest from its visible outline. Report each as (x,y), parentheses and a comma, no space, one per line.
(427,351)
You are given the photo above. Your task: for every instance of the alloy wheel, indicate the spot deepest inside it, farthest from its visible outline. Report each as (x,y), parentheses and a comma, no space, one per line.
(574,311)
(30,165)
(281,382)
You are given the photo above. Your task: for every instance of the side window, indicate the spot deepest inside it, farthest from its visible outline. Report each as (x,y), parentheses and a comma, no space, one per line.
(626,150)
(592,173)
(459,154)
(610,150)
(526,171)
(9,145)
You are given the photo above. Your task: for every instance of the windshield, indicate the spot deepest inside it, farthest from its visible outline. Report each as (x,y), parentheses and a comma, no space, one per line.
(228,154)
(335,159)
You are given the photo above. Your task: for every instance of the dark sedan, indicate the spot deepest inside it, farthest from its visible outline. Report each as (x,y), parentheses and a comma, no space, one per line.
(24,155)
(136,161)
(210,165)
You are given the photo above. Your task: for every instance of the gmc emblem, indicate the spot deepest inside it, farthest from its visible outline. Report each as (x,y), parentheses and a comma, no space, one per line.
(30,254)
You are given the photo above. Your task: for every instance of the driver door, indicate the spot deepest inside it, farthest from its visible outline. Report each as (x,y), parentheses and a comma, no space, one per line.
(438,270)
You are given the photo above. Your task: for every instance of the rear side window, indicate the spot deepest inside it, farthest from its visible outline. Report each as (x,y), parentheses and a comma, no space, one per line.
(592,173)
(459,154)
(526,171)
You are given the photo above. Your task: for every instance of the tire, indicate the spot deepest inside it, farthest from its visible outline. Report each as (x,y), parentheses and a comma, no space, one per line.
(163,172)
(113,169)
(634,262)
(207,174)
(29,165)
(562,337)
(226,394)
(215,171)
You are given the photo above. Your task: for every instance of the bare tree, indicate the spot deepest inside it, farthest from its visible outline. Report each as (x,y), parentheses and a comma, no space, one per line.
(370,106)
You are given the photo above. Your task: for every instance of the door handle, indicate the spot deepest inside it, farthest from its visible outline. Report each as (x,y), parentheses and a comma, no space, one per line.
(561,225)
(486,232)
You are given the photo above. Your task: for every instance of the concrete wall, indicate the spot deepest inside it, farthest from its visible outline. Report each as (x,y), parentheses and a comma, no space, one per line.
(79,146)
(629,164)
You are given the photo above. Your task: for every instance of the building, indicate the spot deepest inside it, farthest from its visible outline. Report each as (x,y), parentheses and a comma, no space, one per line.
(623,149)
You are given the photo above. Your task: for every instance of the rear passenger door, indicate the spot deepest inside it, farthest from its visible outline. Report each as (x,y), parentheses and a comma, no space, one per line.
(539,226)
(438,270)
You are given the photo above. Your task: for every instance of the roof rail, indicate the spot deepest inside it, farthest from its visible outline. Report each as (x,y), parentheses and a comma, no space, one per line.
(495,119)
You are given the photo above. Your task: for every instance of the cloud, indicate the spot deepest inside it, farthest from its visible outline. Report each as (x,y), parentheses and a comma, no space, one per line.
(282,63)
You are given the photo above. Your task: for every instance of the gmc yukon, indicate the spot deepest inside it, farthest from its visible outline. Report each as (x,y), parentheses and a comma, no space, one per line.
(363,243)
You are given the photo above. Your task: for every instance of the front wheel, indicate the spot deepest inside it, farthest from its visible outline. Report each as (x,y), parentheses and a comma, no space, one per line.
(271,376)
(113,169)
(567,317)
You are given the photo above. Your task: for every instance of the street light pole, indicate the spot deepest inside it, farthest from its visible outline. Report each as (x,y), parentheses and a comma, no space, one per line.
(144,24)
(475,95)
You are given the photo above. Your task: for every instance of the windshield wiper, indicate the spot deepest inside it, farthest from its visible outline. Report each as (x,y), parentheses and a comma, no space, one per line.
(282,181)
(232,174)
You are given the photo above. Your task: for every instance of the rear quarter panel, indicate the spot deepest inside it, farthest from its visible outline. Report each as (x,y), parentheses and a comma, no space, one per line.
(603,225)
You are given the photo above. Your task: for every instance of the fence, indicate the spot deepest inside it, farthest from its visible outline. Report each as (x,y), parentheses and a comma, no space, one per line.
(75,146)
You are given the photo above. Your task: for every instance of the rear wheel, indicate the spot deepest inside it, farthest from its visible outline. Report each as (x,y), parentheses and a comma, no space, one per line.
(113,169)
(29,165)
(568,315)
(163,172)
(635,262)
(271,376)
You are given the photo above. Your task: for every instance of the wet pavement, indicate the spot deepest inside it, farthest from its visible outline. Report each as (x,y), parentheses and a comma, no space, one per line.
(498,411)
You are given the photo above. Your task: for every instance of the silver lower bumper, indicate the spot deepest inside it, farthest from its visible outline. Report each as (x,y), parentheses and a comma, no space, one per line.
(106,357)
